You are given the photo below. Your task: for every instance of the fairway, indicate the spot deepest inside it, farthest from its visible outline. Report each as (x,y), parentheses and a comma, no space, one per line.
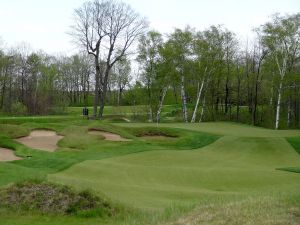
(166,174)
(240,164)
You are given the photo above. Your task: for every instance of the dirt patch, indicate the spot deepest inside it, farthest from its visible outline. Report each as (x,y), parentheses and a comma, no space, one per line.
(45,140)
(7,155)
(108,136)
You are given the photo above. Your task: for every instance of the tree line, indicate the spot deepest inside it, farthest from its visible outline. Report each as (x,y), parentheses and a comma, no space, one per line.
(218,78)
(36,83)
(210,74)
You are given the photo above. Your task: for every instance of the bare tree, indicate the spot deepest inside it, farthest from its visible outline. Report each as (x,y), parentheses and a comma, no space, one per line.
(106,29)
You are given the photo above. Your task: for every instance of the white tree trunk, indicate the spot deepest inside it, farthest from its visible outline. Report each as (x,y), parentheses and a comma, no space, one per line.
(183,98)
(198,100)
(164,92)
(282,70)
(278,107)
(203,110)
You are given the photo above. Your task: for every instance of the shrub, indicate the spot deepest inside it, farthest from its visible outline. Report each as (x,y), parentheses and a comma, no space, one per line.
(18,108)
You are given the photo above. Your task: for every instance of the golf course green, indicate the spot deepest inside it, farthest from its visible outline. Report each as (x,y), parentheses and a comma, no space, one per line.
(209,173)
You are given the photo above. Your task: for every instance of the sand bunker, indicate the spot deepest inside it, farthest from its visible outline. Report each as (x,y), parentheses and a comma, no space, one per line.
(108,136)
(7,155)
(45,140)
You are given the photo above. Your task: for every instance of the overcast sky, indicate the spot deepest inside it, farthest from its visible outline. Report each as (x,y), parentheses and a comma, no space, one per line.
(44,23)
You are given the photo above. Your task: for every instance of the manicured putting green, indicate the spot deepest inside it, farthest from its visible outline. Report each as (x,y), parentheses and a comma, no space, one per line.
(242,163)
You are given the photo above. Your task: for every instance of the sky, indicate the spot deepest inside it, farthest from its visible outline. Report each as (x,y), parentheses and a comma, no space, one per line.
(44,24)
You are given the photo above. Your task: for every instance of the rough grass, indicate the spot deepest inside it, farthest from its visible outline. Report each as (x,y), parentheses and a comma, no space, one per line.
(48,198)
(251,211)
(13,131)
(152,131)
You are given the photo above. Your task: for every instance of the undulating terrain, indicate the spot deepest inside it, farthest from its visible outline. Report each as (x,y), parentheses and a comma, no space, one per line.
(172,173)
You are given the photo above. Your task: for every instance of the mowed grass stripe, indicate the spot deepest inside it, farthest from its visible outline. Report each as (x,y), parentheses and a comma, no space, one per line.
(158,179)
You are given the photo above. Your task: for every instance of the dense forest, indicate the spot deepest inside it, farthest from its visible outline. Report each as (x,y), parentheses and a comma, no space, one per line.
(210,75)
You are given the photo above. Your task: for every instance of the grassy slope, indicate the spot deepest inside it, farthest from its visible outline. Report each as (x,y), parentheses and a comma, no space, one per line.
(230,166)
(232,181)
(78,146)
(238,169)
(295,142)
(226,128)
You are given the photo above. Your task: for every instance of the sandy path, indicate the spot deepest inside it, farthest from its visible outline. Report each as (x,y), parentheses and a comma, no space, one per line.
(7,155)
(45,140)
(108,136)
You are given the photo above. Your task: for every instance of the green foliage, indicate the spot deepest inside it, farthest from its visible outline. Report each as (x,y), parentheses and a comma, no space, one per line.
(17,108)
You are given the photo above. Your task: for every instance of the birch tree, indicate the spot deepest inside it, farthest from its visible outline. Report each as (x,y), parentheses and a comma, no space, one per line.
(181,43)
(208,51)
(281,37)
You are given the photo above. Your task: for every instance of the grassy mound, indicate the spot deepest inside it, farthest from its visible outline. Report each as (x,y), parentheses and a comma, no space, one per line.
(157,179)
(295,142)
(291,169)
(13,131)
(116,119)
(110,128)
(54,199)
(180,139)
(154,131)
